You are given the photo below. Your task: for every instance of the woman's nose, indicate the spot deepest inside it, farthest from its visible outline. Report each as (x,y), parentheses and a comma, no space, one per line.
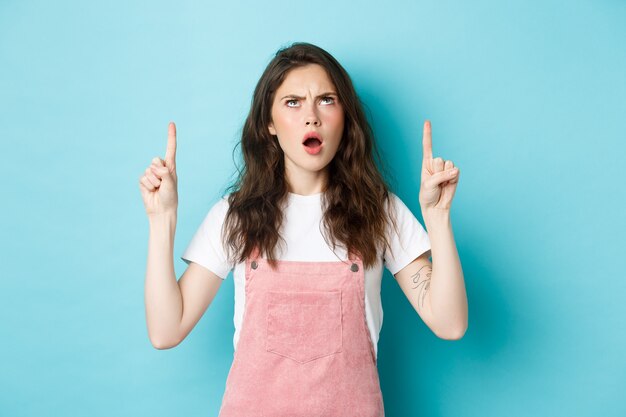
(312,118)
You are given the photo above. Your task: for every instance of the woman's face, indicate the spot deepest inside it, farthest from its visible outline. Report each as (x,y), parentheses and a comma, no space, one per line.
(306,104)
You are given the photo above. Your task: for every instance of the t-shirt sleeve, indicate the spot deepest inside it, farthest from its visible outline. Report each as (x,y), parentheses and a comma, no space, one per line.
(408,242)
(206,247)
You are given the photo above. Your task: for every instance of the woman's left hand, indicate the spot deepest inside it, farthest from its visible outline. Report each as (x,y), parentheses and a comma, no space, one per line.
(439,177)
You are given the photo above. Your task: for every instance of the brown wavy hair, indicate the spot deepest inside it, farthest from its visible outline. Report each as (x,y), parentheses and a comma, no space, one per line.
(355,201)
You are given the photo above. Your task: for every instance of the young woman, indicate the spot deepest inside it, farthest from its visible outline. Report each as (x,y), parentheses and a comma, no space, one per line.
(306,230)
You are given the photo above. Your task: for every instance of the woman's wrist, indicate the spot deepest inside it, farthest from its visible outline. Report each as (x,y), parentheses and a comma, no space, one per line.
(436,217)
(163,221)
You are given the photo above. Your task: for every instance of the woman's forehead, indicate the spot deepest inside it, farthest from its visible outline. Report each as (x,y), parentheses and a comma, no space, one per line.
(301,80)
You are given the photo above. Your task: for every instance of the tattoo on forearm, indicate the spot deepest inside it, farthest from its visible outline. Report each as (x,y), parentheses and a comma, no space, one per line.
(421,279)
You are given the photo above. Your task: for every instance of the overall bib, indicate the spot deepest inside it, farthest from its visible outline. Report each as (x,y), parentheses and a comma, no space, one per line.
(304,348)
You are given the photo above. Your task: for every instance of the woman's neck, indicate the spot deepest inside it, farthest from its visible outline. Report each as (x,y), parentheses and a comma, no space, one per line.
(307,184)
(305,191)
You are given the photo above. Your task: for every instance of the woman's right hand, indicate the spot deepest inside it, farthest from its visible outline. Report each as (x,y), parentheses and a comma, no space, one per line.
(158,184)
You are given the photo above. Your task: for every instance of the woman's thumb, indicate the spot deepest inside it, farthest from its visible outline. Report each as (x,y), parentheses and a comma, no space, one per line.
(163,173)
(442,177)
(158,161)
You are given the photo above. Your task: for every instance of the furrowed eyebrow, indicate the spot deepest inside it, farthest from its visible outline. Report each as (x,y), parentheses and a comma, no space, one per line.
(330,93)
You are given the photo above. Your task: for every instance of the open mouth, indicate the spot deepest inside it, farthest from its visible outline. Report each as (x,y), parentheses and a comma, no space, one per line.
(312,143)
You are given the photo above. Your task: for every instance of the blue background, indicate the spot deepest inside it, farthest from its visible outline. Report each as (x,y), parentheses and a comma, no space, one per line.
(526,97)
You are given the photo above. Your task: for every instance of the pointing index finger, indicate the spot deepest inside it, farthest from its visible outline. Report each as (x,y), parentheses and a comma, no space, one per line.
(170,153)
(427,141)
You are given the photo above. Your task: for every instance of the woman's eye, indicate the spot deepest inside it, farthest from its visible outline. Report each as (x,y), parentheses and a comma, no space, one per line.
(289,103)
(328,100)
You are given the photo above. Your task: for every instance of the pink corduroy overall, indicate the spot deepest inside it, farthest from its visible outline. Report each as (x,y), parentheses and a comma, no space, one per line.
(304,348)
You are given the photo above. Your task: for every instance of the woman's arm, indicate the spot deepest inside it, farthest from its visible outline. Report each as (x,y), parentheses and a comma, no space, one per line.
(172,307)
(448,299)
(163,299)
(437,290)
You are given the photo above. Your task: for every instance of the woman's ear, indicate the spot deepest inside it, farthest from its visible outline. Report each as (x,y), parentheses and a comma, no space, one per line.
(271,129)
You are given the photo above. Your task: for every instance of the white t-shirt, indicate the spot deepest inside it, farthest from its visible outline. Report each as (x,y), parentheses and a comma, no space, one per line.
(302,230)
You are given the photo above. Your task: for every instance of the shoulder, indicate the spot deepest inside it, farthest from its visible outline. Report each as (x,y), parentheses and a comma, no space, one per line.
(222,204)
(214,217)
(206,246)
(397,208)
(407,237)
(406,229)
(396,202)
(219,208)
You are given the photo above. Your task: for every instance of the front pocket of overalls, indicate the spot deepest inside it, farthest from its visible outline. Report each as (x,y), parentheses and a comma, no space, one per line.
(305,325)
